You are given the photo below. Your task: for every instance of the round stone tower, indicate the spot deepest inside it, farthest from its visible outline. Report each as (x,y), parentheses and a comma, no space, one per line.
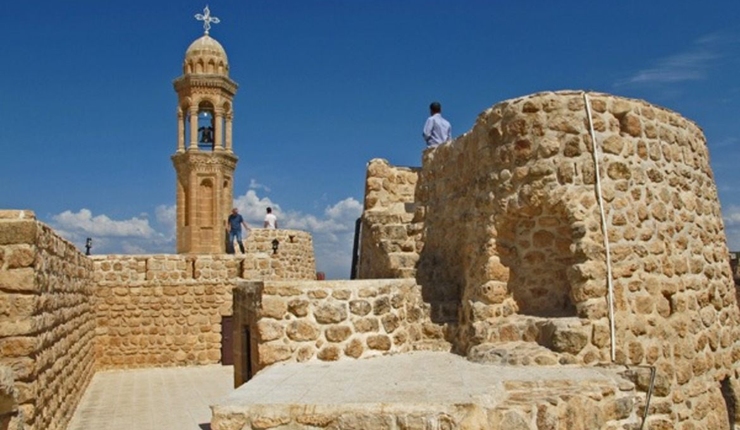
(205,168)
(585,228)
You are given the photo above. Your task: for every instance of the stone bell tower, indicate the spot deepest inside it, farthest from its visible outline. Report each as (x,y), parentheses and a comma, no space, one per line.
(204,160)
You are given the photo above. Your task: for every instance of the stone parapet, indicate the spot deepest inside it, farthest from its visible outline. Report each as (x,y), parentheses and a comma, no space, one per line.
(329,321)
(168,310)
(294,258)
(161,324)
(392,222)
(47,320)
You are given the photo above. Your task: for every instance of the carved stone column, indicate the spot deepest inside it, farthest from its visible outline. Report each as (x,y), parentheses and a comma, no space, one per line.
(193,128)
(229,119)
(180,130)
(218,138)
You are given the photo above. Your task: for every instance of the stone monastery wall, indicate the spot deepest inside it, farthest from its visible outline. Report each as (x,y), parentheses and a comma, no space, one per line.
(167,310)
(47,320)
(391,224)
(64,315)
(161,310)
(512,231)
(329,320)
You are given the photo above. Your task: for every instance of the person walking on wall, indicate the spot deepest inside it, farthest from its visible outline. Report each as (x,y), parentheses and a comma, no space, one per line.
(270,219)
(234,227)
(437,130)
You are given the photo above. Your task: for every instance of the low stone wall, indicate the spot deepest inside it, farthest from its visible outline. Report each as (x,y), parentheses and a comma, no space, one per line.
(294,258)
(47,322)
(392,222)
(328,321)
(161,310)
(167,310)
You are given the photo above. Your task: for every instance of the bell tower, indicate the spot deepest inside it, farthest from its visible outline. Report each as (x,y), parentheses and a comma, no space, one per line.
(205,160)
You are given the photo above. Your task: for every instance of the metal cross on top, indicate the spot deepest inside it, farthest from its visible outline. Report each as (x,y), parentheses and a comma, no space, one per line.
(207,19)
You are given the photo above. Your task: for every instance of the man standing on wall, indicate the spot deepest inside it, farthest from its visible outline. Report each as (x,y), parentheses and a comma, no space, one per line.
(234,227)
(437,130)
(270,219)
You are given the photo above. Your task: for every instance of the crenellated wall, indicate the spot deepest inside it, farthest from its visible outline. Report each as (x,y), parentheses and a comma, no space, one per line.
(47,320)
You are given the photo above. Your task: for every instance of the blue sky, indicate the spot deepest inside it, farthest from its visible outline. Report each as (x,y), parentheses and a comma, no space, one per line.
(89,120)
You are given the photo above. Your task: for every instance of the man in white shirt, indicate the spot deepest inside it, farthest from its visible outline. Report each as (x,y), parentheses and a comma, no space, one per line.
(437,130)
(270,219)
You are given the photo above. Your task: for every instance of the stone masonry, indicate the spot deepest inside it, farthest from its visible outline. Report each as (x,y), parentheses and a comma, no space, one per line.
(167,310)
(511,231)
(328,320)
(64,315)
(47,321)
(391,223)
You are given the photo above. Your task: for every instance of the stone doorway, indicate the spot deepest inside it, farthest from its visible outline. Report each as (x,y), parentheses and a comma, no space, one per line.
(227,340)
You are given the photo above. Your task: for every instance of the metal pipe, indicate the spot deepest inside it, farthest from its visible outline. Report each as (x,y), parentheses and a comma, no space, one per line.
(600,199)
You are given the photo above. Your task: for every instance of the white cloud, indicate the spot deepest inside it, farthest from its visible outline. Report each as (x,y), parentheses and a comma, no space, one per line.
(253,208)
(690,65)
(332,231)
(167,218)
(131,236)
(254,185)
(731,218)
(83,222)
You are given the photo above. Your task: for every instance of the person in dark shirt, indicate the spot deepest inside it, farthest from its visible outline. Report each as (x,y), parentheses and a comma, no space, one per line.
(234,227)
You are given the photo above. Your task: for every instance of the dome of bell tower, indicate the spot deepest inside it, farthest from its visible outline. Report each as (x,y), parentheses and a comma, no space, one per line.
(206,56)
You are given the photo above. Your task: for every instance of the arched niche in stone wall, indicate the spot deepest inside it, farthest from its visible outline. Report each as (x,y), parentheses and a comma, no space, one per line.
(535,242)
(205,203)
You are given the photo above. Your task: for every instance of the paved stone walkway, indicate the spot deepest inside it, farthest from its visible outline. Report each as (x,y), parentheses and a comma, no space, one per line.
(153,399)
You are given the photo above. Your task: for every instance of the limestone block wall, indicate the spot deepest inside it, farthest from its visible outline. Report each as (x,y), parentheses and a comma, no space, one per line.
(294,258)
(391,222)
(513,232)
(328,321)
(167,310)
(161,310)
(47,322)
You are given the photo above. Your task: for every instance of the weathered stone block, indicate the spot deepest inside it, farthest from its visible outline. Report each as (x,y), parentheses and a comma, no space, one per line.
(331,313)
(381,306)
(298,307)
(273,307)
(18,232)
(302,330)
(338,333)
(19,280)
(329,353)
(272,353)
(378,342)
(360,307)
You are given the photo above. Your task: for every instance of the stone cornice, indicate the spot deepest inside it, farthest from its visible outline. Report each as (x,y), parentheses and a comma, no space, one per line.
(189,82)
(204,161)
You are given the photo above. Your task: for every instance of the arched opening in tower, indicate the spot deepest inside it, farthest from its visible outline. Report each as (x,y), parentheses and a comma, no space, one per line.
(535,244)
(206,126)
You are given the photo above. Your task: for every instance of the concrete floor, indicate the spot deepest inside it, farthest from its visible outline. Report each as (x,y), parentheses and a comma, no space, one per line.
(149,399)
